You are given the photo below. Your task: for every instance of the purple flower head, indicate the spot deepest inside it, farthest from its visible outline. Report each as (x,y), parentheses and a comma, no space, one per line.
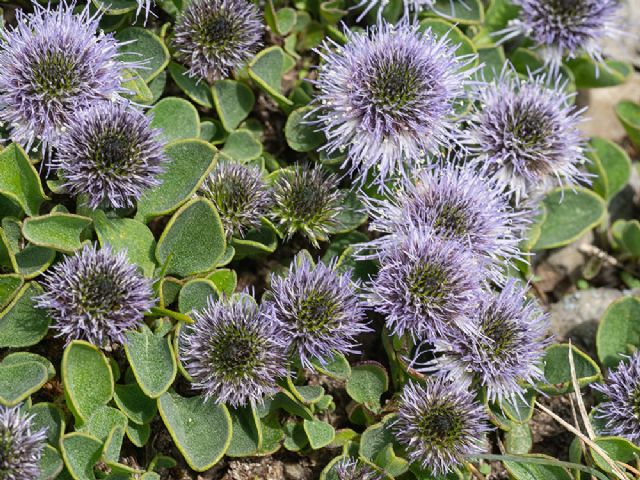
(308,201)
(240,195)
(621,409)
(527,133)
(440,424)
(20,446)
(506,351)
(96,295)
(318,310)
(213,37)
(427,286)
(110,153)
(453,203)
(350,469)
(234,352)
(386,98)
(53,64)
(566,27)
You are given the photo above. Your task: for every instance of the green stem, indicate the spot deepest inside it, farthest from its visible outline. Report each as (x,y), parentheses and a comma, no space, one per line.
(165,312)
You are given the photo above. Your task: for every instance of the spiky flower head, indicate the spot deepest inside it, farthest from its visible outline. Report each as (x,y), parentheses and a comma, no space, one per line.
(110,153)
(566,28)
(427,287)
(526,131)
(318,309)
(307,200)
(240,195)
(53,64)
(95,295)
(505,352)
(233,352)
(440,424)
(453,203)
(621,409)
(386,98)
(351,469)
(213,37)
(20,446)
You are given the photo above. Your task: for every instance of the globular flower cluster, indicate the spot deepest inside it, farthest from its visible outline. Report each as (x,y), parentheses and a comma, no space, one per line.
(234,352)
(213,37)
(526,133)
(110,153)
(20,445)
(386,99)
(240,194)
(54,63)
(621,409)
(318,309)
(96,295)
(566,28)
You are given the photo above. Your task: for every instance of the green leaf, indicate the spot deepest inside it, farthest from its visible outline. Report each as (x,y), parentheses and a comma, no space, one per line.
(519,411)
(441,28)
(201,430)
(460,11)
(138,434)
(618,449)
(337,367)
(108,425)
(19,380)
(138,90)
(367,384)
(557,370)
(51,463)
(58,231)
(300,134)
(22,357)
(570,214)
(272,434)
(266,70)
(234,101)
(190,161)
(178,119)
(616,166)
(197,91)
(193,241)
(152,361)
(243,146)
(50,417)
(87,379)
(225,280)
(628,113)
(132,401)
(519,439)
(19,179)
(246,436)
(143,45)
(81,452)
(10,284)
(598,75)
(319,433)
(22,324)
(131,236)
(195,293)
(116,7)
(532,471)
(376,438)
(618,331)
(34,260)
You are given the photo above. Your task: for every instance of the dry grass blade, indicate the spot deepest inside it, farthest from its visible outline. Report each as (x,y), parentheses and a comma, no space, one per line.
(576,389)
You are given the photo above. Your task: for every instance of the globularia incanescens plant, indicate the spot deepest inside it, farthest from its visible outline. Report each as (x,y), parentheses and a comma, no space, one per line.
(300,240)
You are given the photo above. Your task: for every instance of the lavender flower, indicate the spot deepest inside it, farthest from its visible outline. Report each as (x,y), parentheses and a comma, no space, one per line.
(506,350)
(307,200)
(215,36)
(440,424)
(234,352)
(527,133)
(110,153)
(453,203)
(621,410)
(20,446)
(53,64)
(426,286)
(350,469)
(240,195)
(566,27)
(386,99)
(317,309)
(96,295)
